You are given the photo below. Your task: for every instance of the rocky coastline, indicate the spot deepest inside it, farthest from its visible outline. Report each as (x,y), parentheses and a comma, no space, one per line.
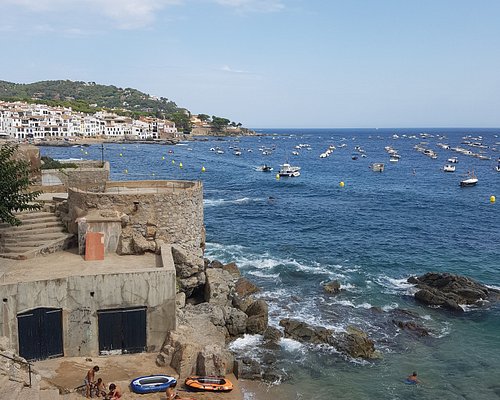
(216,305)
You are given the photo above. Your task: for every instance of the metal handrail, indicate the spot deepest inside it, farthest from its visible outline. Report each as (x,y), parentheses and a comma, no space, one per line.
(21,362)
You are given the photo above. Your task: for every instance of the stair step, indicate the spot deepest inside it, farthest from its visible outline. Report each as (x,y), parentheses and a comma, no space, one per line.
(51,394)
(34,225)
(35,241)
(44,218)
(33,232)
(26,215)
(48,247)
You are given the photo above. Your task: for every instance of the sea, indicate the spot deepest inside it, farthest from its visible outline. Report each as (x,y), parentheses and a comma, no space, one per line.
(371,231)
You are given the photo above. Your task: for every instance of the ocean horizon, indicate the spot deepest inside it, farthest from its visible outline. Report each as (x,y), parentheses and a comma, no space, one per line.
(371,231)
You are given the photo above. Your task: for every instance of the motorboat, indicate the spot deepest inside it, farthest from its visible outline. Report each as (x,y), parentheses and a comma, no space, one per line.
(209,383)
(265,168)
(289,170)
(449,168)
(453,160)
(393,159)
(152,383)
(470,181)
(377,167)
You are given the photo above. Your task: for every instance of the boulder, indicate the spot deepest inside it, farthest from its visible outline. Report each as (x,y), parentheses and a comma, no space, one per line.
(449,291)
(412,327)
(245,288)
(232,269)
(258,317)
(332,287)
(355,343)
(272,334)
(219,286)
(303,332)
(188,285)
(141,245)
(180,300)
(249,368)
(213,360)
(186,265)
(236,321)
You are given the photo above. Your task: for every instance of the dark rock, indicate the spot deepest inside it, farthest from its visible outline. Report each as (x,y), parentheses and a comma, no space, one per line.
(272,334)
(216,264)
(233,269)
(355,343)
(303,332)
(411,326)
(250,369)
(332,287)
(449,291)
(269,358)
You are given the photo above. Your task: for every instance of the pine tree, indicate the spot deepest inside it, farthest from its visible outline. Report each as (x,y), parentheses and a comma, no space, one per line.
(14,185)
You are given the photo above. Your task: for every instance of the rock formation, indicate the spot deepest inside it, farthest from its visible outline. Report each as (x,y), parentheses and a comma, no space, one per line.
(353,342)
(214,306)
(450,291)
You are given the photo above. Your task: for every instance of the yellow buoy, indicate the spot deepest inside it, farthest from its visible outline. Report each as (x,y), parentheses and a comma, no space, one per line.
(126,171)
(86,152)
(163,158)
(153,174)
(341,184)
(202,169)
(173,161)
(121,155)
(492,199)
(180,165)
(277,177)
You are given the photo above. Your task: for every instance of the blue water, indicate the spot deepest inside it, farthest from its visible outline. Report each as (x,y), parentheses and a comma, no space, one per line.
(293,234)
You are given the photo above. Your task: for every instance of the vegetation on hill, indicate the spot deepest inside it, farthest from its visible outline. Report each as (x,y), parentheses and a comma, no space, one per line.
(89,97)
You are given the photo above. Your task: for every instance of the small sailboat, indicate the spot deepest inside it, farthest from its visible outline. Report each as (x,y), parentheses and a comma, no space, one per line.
(471,180)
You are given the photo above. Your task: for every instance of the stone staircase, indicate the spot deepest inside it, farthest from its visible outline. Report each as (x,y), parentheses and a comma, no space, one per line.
(41,232)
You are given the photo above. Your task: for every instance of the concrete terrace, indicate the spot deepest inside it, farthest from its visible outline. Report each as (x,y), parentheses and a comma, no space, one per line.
(68,263)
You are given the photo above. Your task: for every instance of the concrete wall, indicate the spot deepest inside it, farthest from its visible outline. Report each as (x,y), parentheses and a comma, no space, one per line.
(154,211)
(81,297)
(89,176)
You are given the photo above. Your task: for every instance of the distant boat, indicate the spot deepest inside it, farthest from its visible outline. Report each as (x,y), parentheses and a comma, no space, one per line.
(394,159)
(377,167)
(470,181)
(449,168)
(265,168)
(453,160)
(289,170)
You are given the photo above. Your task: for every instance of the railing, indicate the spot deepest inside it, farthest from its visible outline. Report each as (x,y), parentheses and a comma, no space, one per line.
(20,362)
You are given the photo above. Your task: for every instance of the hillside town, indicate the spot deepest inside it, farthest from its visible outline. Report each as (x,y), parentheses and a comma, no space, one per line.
(38,122)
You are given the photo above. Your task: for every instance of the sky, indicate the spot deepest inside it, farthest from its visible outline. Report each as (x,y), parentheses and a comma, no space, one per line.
(273,63)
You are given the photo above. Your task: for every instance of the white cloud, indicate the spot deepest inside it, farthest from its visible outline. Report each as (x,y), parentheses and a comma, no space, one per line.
(227,68)
(253,5)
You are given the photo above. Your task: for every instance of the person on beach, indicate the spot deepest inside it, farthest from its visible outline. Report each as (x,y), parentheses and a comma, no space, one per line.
(114,392)
(171,392)
(101,388)
(413,378)
(89,380)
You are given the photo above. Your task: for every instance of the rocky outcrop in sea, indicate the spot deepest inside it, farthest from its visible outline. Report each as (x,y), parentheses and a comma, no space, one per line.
(451,291)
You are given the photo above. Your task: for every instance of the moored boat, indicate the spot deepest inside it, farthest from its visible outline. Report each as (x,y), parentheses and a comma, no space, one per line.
(449,168)
(377,167)
(470,181)
(152,383)
(209,383)
(289,170)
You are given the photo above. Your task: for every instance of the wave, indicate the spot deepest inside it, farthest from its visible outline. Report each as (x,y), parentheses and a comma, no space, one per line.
(221,202)
(395,285)
(247,342)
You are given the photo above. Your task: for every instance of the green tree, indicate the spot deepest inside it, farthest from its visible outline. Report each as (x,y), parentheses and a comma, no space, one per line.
(203,117)
(219,123)
(182,121)
(14,185)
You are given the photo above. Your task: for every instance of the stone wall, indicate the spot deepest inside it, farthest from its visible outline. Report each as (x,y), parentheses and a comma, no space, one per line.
(80,297)
(31,154)
(152,213)
(89,176)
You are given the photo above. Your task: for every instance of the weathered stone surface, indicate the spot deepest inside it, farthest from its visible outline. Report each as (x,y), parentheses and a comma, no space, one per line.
(180,300)
(272,334)
(355,343)
(258,316)
(189,284)
(449,291)
(233,269)
(412,327)
(332,287)
(216,264)
(186,265)
(249,369)
(214,360)
(236,321)
(303,332)
(142,245)
(245,288)
(219,286)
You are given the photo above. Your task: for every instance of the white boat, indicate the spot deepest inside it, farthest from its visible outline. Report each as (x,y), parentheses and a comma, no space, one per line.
(265,168)
(470,181)
(453,160)
(289,170)
(393,159)
(449,168)
(377,167)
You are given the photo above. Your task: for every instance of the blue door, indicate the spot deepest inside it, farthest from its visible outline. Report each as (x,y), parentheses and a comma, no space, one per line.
(122,330)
